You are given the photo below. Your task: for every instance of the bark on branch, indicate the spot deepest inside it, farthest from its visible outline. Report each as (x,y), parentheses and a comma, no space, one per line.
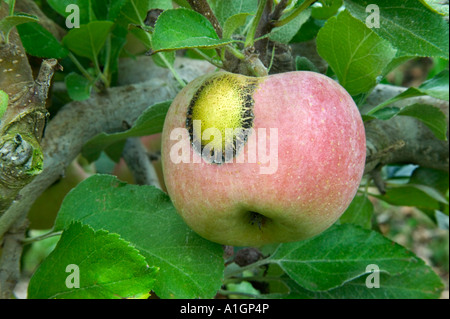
(22,125)
(404,139)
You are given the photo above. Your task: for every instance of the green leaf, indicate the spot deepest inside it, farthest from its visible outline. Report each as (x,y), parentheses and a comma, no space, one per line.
(85,6)
(437,86)
(151,121)
(359,212)
(408,25)
(182,28)
(327,10)
(161,57)
(8,23)
(107,9)
(340,255)
(409,195)
(434,178)
(189,266)
(356,54)
(78,87)
(284,34)
(118,41)
(419,282)
(304,64)
(308,30)
(383,114)
(430,191)
(233,23)
(108,268)
(39,42)
(430,115)
(88,40)
(225,9)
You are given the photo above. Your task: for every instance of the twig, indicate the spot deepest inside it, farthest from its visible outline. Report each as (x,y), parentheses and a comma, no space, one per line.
(264,6)
(278,11)
(378,179)
(264,28)
(10,260)
(139,163)
(294,13)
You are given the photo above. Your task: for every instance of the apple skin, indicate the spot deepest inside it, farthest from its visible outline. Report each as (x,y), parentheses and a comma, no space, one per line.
(321,158)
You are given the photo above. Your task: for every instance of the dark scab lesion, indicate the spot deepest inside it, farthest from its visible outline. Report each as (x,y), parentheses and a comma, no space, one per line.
(239,139)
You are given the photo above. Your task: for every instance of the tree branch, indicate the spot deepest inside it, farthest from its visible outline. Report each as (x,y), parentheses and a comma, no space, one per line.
(404,139)
(22,125)
(10,260)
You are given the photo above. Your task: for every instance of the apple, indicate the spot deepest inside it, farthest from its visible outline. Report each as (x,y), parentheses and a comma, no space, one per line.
(289,170)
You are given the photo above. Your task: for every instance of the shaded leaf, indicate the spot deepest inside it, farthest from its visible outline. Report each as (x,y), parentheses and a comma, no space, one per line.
(359,212)
(107,9)
(85,8)
(409,195)
(8,23)
(88,40)
(431,177)
(284,34)
(78,87)
(430,115)
(327,10)
(39,42)
(151,121)
(233,23)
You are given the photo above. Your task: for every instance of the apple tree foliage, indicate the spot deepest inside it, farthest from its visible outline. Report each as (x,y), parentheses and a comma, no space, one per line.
(128,240)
